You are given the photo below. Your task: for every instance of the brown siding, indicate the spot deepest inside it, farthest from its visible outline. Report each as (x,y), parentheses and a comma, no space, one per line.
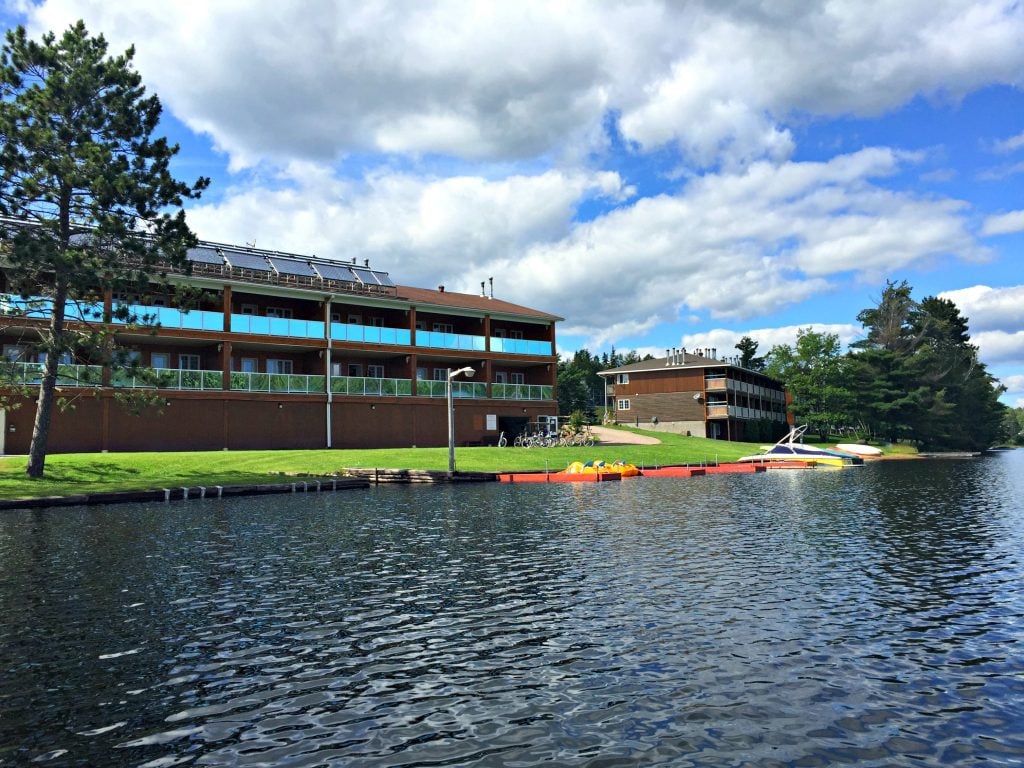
(667,406)
(649,382)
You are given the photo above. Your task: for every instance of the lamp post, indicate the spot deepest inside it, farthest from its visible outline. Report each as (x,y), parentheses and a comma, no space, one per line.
(451,414)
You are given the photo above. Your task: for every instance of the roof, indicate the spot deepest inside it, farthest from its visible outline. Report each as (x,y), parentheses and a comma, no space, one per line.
(469,301)
(678,361)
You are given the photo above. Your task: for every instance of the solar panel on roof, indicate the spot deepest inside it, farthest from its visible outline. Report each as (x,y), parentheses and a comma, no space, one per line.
(292,267)
(204,256)
(365,275)
(335,272)
(248,261)
(383,279)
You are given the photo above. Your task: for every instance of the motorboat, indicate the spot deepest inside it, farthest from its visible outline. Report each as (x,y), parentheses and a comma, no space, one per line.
(790,451)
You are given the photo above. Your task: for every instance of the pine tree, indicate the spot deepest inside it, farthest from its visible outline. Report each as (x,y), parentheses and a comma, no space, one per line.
(88,187)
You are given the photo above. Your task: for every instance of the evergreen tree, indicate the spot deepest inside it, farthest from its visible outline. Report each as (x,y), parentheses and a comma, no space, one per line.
(89,186)
(747,348)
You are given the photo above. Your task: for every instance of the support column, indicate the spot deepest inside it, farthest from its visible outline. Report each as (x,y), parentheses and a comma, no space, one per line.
(226,309)
(225,364)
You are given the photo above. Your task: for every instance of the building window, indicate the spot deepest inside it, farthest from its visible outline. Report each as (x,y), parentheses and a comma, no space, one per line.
(421,325)
(279,366)
(188,362)
(622,378)
(375,371)
(249,309)
(500,377)
(515,334)
(377,322)
(355,370)
(421,374)
(14,352)
(518,378)
(499,333)
(355,319)
(622,405)
(160,360)
(443,328)
(281,312)
(335,317)
(440,374)
(248,365)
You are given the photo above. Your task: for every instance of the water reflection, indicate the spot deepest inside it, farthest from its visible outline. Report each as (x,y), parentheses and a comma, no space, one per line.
(809,618)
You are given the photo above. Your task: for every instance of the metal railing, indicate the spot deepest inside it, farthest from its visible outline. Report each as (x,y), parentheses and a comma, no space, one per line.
(520,346)
(463,389)
(41,308)
(169,317)
(168,378)
(370,334)
(370,386)
(245,381)
(522,391)
(277,326)
(461,341)
(68,374)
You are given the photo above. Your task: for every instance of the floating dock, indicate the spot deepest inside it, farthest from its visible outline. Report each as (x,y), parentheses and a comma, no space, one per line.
(591,477)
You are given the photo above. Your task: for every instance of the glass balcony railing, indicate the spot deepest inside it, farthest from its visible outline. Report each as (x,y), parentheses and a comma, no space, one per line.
(359,385)
(168,317)
(520,346)
(167,378)
(460,341)
(68,374)
(370,334)
(463,389)
(522,392)
(41,308)
(277,326)
(278,382)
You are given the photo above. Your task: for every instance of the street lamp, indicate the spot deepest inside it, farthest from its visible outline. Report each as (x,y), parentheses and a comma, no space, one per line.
(451,414)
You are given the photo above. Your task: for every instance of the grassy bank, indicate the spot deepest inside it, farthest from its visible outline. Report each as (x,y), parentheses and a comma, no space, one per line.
(68,474)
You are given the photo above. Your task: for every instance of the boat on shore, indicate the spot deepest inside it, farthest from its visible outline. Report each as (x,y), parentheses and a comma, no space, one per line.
(859,449)
(789,451)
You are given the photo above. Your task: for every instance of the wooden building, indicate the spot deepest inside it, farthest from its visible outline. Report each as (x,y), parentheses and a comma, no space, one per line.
(290,351)
(692,393)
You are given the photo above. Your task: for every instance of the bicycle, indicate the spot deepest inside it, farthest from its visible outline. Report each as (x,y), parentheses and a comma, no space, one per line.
(502,440)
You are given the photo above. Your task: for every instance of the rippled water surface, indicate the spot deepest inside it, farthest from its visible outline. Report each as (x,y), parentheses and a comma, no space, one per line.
(858,617)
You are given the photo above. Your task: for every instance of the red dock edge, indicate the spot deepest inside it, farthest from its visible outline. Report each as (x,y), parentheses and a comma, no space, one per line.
(565,477)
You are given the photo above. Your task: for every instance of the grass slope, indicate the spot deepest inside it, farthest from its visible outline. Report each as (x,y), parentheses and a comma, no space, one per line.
(74,473)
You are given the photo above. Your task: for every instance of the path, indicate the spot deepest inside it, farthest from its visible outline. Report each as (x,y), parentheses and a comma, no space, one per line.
(621,437)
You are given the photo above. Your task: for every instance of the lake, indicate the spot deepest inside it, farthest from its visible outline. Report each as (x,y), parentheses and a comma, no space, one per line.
(871,616)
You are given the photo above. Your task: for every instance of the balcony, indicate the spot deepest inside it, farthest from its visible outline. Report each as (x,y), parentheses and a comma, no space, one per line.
(68,374)
(460,389)
(716,384)
(277,326)
(280,383)
(520,346)
(168,378)
(522,392)
(373,387)
(457,341)
(41,308)
(370,334)
(168,317)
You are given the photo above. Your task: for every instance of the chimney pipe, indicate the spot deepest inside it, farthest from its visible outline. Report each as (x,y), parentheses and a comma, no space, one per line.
(491,281)
(483,291)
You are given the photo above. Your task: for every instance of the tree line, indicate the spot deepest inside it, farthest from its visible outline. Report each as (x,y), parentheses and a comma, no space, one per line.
(914,376)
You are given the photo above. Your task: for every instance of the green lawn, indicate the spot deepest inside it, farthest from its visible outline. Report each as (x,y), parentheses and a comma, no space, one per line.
(74,473)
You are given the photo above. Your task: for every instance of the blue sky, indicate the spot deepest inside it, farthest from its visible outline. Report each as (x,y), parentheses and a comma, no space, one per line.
(658,173)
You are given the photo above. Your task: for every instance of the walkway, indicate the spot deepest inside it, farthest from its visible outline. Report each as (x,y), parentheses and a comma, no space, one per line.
(622,437)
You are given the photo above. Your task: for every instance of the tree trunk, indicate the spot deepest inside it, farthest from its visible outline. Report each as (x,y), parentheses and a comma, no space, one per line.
(47,388)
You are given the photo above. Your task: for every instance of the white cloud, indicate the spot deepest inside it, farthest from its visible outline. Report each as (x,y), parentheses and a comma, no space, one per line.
(290,80)
(990,309)
(732,245)
(1004,224)
(1000,347)
(1013,384)
(725,340)
(1009,145)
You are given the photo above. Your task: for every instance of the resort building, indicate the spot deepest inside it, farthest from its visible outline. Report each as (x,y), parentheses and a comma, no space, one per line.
(692,393)
(289,351)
